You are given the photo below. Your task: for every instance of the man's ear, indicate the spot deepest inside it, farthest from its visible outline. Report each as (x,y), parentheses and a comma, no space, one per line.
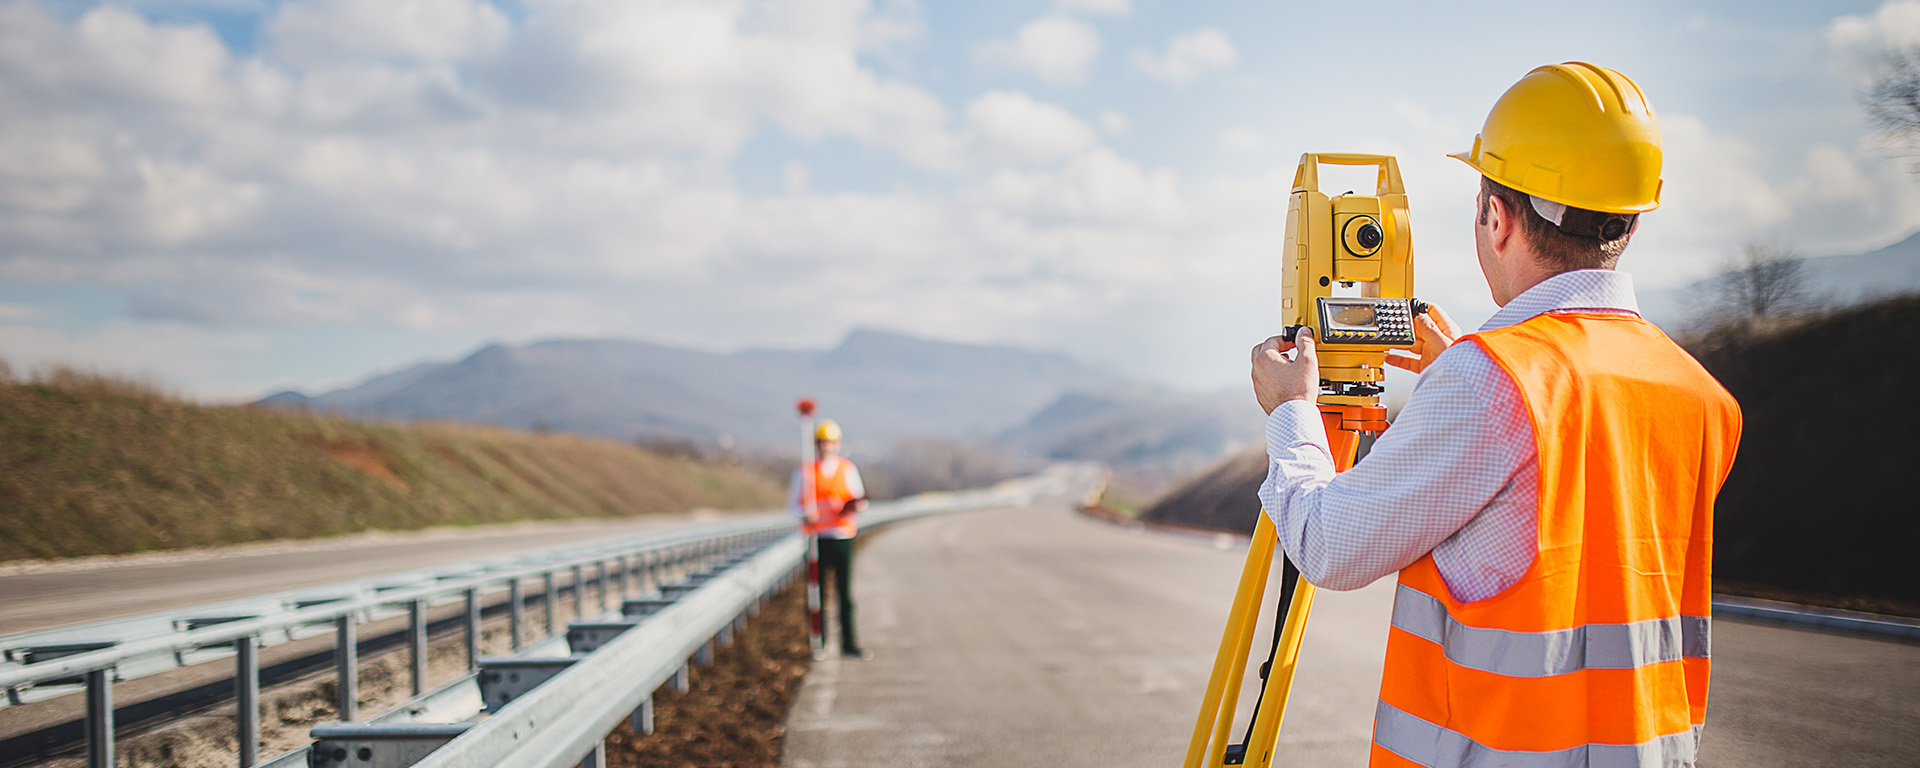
(1502,227)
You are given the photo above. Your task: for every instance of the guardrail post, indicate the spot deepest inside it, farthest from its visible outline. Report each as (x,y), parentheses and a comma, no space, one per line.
(683,679)
(579,592)
(473,628)
(518,609)
(417,644)
(642,720)
(625,576)
(553,605)
(346,663)
(604,592)
(597,758)
(246,696)
(100,718)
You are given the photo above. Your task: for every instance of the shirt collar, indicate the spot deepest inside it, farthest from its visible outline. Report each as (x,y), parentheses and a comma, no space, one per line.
(1597,290)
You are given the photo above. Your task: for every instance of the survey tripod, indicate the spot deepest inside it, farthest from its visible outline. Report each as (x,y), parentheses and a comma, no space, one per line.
(1363,243)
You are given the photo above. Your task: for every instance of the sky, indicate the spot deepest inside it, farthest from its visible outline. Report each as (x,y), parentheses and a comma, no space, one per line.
(233,197)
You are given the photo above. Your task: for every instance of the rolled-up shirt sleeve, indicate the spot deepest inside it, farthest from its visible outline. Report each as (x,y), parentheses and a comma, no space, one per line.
(1451,455)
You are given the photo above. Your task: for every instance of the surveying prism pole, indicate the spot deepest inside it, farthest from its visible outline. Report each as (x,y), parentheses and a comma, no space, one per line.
(815,639)
(1350,239)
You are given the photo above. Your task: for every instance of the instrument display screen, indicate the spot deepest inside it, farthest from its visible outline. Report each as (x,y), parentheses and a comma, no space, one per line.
(1373,322)
(1358,317)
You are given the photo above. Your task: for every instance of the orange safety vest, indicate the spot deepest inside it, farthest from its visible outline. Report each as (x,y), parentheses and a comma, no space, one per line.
(1598,655)
(830,495)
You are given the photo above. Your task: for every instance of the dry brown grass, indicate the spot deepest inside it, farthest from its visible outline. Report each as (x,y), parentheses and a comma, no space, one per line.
(93,464)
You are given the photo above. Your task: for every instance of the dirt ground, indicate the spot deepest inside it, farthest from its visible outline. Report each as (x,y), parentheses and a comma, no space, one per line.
(735,715)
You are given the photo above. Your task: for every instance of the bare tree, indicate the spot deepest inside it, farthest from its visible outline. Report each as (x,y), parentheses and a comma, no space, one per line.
(1893,99)
(1765,280)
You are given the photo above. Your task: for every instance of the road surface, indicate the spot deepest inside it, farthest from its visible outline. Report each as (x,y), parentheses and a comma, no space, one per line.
(1037,637)
(59,594)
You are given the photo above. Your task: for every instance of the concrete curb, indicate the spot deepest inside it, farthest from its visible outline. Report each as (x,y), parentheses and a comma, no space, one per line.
(1823,618)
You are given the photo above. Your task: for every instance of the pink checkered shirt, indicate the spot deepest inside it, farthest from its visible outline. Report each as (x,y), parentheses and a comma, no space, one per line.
(1456,475)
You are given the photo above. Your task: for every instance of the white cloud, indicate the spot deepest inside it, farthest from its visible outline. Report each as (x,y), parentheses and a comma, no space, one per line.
(1010,127)
(326,32)
(136,350)
(577,169)
(1057,49)
(1857,41)
(1107,7)
(1096,187)
(1188,56)
(1242,139)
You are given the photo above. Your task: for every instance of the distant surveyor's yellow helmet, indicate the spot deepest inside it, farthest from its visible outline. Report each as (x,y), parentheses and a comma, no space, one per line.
(828,429)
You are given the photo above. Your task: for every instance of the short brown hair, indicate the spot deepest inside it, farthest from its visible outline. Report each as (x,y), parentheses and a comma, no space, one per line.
(1557,250)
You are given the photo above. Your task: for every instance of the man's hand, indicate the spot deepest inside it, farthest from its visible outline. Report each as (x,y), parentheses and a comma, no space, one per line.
(1430,338)
(1277,379)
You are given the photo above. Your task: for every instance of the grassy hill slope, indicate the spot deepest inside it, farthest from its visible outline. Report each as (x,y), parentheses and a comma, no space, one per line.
(97,466)
(1820,505)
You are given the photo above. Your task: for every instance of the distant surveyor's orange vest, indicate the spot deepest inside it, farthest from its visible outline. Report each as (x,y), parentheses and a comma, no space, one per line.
(831,494)
(1598,655)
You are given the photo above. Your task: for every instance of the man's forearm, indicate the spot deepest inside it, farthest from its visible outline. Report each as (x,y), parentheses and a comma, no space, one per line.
(1299,467)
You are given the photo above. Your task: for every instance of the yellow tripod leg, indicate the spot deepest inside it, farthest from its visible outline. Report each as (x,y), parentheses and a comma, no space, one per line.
(1215,723)
(1212,730)
(1266,725)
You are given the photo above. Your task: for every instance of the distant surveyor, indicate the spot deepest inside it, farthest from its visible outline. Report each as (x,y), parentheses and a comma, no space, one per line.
(838,496)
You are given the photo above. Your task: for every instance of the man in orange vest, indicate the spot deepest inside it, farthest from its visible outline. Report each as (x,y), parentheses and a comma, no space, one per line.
(838,495)
(1547,492)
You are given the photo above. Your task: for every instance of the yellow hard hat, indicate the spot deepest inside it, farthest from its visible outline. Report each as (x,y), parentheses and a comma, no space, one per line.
(1576,134)
(828,429)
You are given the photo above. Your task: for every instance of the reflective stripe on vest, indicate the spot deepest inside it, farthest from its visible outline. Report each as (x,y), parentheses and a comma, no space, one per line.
(1599,653)
(1554,652)
(1427,744)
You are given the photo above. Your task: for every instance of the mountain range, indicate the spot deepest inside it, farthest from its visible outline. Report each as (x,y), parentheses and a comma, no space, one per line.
(881,386)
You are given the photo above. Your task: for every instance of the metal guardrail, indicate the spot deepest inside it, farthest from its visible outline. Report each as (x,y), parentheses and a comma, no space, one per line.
(96,667)
(1821,618)
(143,645)
(589,698)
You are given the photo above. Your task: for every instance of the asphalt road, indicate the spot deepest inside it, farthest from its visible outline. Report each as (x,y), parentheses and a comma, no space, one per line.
(72,593)
(1036,637)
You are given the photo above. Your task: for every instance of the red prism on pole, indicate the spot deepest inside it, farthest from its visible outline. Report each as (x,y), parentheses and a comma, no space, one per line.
(814,626)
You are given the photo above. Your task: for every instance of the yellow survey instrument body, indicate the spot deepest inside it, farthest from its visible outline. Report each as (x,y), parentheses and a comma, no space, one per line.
(1347,272)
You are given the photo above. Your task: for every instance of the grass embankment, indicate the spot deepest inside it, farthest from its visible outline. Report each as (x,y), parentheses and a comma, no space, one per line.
(92,465)
(1820,506)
